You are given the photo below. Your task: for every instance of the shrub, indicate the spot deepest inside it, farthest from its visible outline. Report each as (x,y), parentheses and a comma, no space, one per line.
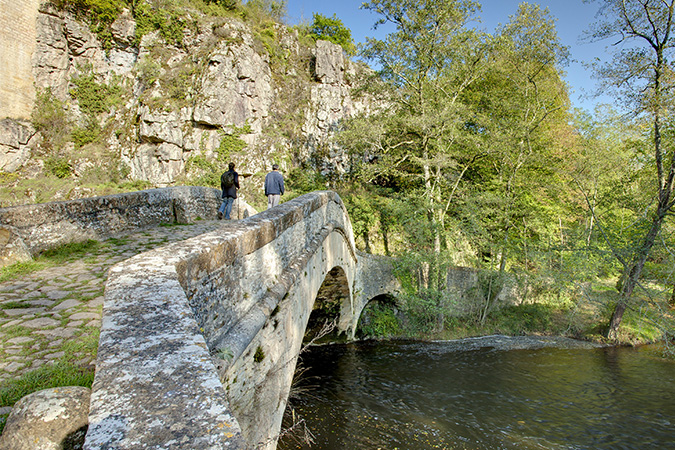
(94,97)
(58,166)
(50,119)
(333,30)
(230,5)
(206,171)
(378,320)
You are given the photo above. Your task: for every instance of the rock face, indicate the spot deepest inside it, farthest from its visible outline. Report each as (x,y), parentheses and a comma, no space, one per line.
(182,101)
(15,137)
(52,419)
(66,47)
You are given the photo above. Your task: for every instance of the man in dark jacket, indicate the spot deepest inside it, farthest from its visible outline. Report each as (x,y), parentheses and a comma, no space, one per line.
(229,183)
(274,186)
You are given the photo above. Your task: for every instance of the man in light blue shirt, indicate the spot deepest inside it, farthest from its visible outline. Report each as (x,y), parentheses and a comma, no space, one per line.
(274,186)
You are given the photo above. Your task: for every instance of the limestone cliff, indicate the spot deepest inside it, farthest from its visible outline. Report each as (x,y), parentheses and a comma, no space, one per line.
(176,105)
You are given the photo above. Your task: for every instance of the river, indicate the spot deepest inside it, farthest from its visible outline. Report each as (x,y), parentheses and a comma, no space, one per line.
(414,395)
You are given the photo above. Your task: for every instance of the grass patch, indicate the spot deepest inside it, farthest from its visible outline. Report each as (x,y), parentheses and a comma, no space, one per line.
(14,305)
(117,241)
(85,345)
(50,258)
(71,251)
(20,269)
(58,374)
(16,331)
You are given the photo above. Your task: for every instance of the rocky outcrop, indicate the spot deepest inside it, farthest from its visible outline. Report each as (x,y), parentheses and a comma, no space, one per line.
(51,419)
(15,147)
(66,46)
(181,101)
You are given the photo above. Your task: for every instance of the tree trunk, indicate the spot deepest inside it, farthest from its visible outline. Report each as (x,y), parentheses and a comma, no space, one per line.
(634,274)
(366,240)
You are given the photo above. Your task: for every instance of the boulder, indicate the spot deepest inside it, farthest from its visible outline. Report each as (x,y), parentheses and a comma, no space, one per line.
(12,247)
(52,419)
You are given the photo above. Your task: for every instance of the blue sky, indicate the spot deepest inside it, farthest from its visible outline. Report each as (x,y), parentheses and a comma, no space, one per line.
(573,18)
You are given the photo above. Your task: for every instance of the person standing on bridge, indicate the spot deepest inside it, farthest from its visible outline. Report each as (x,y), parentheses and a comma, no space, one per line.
(229,183)
(274,186)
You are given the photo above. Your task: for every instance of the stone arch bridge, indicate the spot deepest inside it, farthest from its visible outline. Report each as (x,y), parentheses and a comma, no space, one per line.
(200,338)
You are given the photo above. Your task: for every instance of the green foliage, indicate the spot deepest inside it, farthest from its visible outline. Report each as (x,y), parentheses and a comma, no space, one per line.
(169,22)
(302,180)
(363,216)
(333,30)
(206,171)
(91,132)
(525,319)
(230,5)
(260,11)
(378,320)
(225,354)
(50,119)
(94,97)
(99,13)
(58,166)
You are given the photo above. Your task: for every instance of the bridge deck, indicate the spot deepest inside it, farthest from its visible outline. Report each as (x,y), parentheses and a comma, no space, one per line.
(52,314)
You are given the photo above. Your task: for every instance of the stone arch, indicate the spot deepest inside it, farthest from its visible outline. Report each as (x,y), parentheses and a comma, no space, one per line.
(385,300)
(332,302)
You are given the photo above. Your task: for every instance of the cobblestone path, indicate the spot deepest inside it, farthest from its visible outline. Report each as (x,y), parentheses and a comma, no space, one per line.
(55,314)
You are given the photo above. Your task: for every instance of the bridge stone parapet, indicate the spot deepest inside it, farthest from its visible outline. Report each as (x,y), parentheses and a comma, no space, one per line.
(47,225)
(200,338)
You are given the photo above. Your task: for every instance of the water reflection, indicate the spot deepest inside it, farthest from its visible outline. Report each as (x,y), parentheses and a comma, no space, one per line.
(427,396)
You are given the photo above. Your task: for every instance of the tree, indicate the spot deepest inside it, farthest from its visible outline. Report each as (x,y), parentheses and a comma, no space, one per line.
(520,109)
(418,144)
(641,73)
(333,30)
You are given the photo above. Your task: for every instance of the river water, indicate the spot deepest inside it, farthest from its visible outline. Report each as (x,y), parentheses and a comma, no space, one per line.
(440,395)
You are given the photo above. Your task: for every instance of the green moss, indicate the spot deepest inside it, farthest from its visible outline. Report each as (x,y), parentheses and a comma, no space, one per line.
(259,355)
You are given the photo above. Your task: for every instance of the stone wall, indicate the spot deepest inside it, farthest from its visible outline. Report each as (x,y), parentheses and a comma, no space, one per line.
(47,225)
(200,338)
(18,35)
